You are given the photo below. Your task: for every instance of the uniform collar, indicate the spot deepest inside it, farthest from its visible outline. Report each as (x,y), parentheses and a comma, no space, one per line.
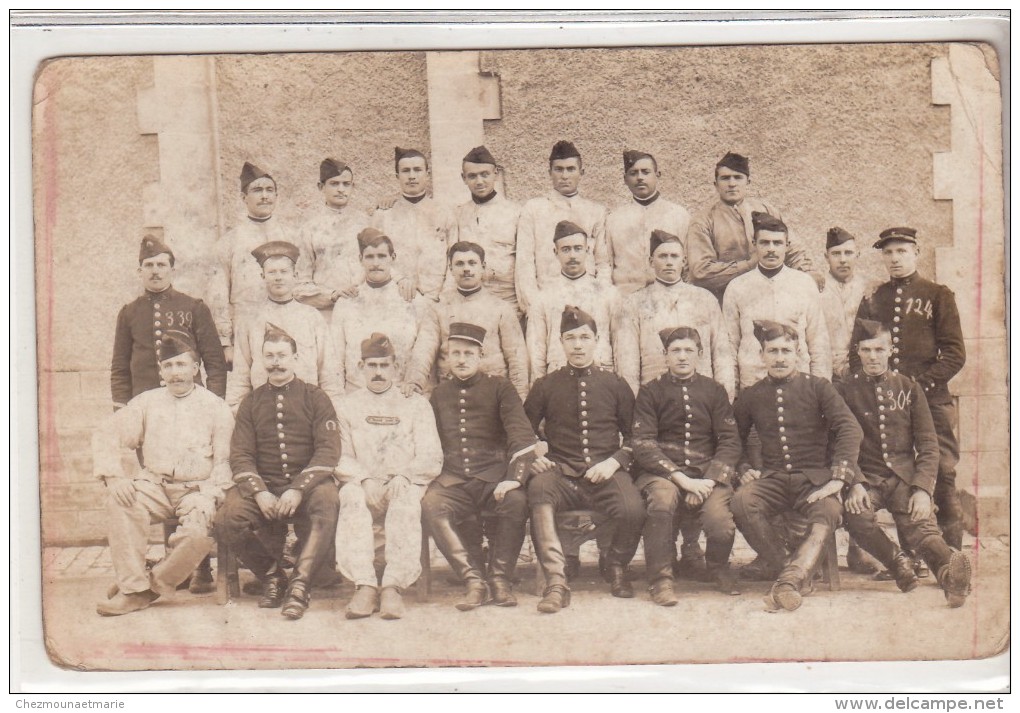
(669,284)
(470,293)
(466,382)
(646,201)
(560,196)
(783,382)
(482,201)
(183,396)
(902,281)
(678,380)
(876,379)
(769,273)
(378,285)
(567,277)
(165,294)
(578,373)
(414,200)
(286,387)
(281,302)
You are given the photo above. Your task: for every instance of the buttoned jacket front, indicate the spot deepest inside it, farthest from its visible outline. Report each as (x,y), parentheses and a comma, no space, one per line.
(628,233)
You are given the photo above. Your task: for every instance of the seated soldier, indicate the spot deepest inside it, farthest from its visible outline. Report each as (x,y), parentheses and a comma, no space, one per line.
(686,446)
(899,460)
(795,414)
(283,452)
(183,432)
(488,447)
(389,453)
(587,414)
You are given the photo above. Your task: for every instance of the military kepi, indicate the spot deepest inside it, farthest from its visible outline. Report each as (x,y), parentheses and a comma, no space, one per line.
(249,173)
(332,167)
(908,235)
(765,330)
(630,157)
(870,329)
(769,223)
(575,318)
(276,248)
(468,332)
(174,343)
(565,228)
(153,246)
(658,238)
(563,149)
(837,236)
(735,162)
(377,346)
(479,154)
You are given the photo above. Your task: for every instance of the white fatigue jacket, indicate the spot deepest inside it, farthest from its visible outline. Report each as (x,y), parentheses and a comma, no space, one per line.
(503,353)
(493,225)
(317,363)
(640,357)
(790,297)
(330,257)
(236,288)
(382,435)
(601,301)
(536,267)
(840,301)
(184,439)
(628,234)
(374,309)
(420,233)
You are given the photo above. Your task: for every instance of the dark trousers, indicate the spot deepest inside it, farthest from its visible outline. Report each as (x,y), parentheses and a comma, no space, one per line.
(617,498)
(258,541)
(756,504)
(469,498)
(946,497)
(923,537)
(667,510)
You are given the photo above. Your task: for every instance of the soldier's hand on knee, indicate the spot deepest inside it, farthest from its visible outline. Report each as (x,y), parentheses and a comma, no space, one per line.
(919,506)
(504,487)
(288,503)
(122,490)
(858,501)
(830,488)
(692,500)
(602,471)
(702,487)
(267,503)
(399,485)
(749,475)
(542,465)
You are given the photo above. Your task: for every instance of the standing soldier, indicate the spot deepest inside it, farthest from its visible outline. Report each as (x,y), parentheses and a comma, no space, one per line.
(142,326)
(720,244)
(586,413)
(488,447)
(670,301)
(628,226)
(418,226)
(795,414)
(686,447)
(504,352)
(283,452)
(315,363)
(236,286)
(777,293)
(538,222)
(899,460)
(844,290)
(927,346)
(378,305)
(328,266)
(143,323)
(489,220)
(183,433)
(389,453)
(573,286)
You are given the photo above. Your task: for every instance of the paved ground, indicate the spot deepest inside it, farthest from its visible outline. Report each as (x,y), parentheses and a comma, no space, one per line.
(866,620)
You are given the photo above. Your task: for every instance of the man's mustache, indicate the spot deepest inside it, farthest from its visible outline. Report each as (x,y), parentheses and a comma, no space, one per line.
(378,378)
(274,368)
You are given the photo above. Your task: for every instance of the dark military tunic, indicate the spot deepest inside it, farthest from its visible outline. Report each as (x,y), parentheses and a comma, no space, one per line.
(794,418)
(685,425)
(141,325)
(894,415)
(284,437)
(926,334)
(586,411)
(482,427)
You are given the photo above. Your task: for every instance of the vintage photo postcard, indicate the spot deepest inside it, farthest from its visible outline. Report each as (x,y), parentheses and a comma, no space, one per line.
(522,357)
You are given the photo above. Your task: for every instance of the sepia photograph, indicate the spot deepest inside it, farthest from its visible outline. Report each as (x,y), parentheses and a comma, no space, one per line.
(538,357)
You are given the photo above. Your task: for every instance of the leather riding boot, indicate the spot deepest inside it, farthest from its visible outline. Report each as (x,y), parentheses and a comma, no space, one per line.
(547,543)
(554,598)
(202,581)
(903,571)
(717,564)
(618,584)
(449,543)
(786,592)
(660,547)
(274,588)
(859,561)
(313,552)
(767,541)
(506,546)
(297,600)
(471,533)
(692,562)
(476,593)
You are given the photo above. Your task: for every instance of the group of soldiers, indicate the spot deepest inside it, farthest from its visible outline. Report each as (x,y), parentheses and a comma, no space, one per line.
(366,375)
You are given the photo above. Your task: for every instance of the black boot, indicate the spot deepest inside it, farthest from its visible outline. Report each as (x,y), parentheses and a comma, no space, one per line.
(547,543)
(297,600)
(768,542)
(717,563)
(506,546)
(476,593)
(314,549)
(202,581)
(448,541)
(618,584)
(786,592)
(873,540)
(660,547)
(274,588)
